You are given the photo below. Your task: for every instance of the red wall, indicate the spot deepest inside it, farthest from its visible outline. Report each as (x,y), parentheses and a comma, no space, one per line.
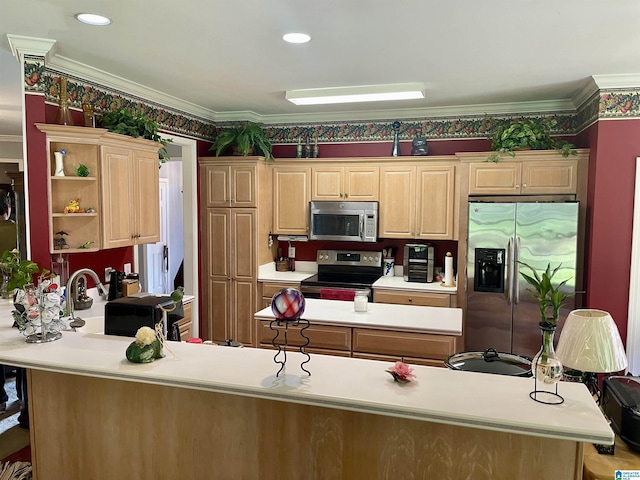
(37,112)
(614,144)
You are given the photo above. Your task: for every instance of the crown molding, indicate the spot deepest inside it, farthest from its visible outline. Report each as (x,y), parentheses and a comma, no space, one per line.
(480,110)
(92,74)
(626,80)
(21,45)
(584,94)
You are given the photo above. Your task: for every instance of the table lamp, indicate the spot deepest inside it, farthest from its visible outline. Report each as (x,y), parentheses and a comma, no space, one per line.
(590,342)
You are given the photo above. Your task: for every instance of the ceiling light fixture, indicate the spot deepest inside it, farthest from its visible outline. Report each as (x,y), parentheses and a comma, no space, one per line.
(92,19)
(296,38)
(365,93)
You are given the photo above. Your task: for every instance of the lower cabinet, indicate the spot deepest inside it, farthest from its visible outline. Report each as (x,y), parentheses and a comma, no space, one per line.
(185,324)
(422,348)
(405,297)
(322,338)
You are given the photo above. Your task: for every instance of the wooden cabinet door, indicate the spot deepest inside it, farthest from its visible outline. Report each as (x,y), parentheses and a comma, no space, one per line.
(216,185)
(397,202)
(436,202)
(244,275)
(327,183)
(118,221)
(216,271)
(291,194)
(557,177)
(146,191)
(243,186)
(361,184)
(502,178)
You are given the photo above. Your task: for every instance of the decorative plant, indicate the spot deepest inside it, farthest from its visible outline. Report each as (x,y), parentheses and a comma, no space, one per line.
(527,133)
(82,170)
(20,272)
(244,137)
(136,125)
(550,297)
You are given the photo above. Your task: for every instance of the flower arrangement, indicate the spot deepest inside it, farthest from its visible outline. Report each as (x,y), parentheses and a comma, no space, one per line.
(401,372)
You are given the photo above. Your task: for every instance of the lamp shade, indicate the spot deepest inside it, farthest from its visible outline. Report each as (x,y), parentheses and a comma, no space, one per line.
(590,342)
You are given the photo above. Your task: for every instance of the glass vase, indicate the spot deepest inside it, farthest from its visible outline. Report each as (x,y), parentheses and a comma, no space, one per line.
(546,367)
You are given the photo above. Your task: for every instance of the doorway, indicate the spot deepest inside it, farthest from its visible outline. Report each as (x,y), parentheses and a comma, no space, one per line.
(181,173)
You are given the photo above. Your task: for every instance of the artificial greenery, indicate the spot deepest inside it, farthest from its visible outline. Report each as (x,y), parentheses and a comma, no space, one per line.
(20,271)
(135,125)
(527,133)
(82,170)
(245,137)
(550,297)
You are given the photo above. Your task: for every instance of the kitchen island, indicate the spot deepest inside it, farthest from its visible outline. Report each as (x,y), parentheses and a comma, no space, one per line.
(221,413)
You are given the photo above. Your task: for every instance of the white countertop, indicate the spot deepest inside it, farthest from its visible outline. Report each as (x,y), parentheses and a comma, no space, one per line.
(409,318)
(304,270)
(477,400)
(398,283)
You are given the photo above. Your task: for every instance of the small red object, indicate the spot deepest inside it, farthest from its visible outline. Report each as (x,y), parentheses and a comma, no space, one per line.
(194,340)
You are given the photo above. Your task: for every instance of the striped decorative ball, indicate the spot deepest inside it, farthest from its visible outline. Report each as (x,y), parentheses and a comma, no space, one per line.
(288,304)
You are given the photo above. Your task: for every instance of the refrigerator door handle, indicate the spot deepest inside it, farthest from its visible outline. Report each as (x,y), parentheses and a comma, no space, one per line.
(508,292)
(516,270)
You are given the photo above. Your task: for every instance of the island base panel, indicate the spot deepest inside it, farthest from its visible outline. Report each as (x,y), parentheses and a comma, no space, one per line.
(86,427)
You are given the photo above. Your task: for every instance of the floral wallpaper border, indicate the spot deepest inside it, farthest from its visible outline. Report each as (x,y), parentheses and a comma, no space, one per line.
(623,103)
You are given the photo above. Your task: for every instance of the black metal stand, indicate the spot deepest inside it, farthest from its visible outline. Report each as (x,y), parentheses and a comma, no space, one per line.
(282,348)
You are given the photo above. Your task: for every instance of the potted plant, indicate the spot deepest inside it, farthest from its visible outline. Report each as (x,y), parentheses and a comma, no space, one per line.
(246,138)
(527,134)
(546,366)
(16,273)
(136,125)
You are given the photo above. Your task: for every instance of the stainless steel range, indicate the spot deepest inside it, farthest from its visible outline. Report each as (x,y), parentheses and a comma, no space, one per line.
(343,272)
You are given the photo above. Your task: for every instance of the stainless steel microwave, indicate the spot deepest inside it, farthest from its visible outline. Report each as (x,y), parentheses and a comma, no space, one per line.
(344,221)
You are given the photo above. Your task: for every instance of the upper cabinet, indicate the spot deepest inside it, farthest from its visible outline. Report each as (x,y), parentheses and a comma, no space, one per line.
(351,183)
(131,196)
(117,202)
(417,201)
(530,173)
(230,186)
(291,195)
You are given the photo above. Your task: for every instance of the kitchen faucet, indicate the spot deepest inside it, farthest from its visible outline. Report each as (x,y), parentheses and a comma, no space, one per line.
(78,322)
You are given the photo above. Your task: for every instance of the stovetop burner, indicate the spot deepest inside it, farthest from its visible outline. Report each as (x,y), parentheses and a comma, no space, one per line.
(346,269)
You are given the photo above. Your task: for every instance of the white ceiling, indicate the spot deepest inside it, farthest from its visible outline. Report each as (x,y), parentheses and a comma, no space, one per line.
(227,57)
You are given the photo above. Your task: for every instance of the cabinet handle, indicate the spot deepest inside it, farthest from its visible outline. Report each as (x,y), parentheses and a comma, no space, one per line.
(346,195)
(517,186)
(524,185)
(410,299)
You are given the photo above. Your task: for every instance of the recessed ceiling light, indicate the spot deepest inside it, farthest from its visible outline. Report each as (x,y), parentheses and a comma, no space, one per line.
(296,37)
(92,19)
(364,93)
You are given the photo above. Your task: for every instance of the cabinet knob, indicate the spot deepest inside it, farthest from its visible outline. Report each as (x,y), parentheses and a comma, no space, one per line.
(517,186)
(524,185)
(346,195)
(410,299)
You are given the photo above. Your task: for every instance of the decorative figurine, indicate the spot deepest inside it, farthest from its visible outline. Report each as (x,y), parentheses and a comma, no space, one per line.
(74,206)
(419,144)
(395,150)
(299,148)
(307,148)
(60,243)
(316,149)
(82,170)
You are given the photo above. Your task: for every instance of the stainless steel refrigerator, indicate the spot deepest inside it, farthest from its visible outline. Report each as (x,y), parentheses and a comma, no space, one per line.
(501,312)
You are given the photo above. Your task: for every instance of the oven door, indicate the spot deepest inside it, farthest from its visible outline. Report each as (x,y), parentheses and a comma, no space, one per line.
(334,292)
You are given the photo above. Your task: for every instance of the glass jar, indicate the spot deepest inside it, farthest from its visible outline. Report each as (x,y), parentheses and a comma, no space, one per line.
(360,301)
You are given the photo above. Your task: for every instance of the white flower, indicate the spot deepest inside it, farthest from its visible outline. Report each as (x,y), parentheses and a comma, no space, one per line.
(145,336)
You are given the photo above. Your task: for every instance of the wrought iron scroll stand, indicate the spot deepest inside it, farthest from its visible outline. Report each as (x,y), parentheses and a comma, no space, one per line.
(554,397)
(282,347)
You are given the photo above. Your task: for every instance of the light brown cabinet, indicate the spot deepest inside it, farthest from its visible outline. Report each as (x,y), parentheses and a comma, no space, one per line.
(417,201)
(291,195)
(234,244)
(412,297)
(427,348)
(123,177)
(351,183)
(131,196)
(524,178)
(185,324)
